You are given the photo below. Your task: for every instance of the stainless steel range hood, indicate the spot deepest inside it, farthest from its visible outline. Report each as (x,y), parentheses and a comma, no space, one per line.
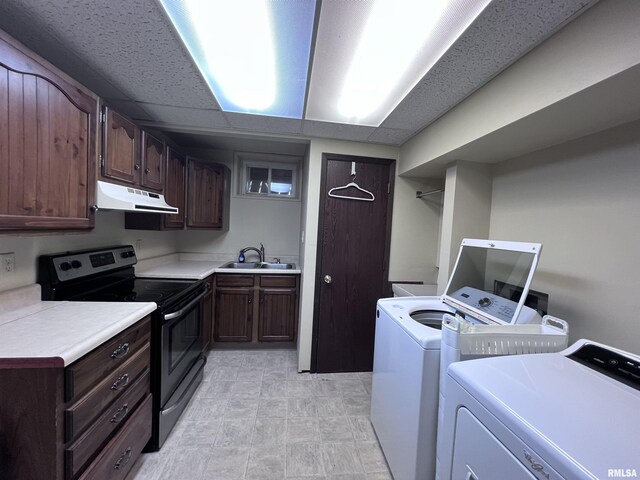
(117,197)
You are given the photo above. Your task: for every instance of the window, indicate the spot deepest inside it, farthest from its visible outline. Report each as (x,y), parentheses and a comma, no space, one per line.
(261,176)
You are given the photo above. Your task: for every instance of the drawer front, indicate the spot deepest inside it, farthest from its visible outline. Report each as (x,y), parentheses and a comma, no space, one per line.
(117,458)
(85,447)
(93,367)
(233,280)
(277,280)
(80,414)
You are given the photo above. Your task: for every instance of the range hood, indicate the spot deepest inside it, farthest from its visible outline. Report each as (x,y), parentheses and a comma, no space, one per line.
(118,197)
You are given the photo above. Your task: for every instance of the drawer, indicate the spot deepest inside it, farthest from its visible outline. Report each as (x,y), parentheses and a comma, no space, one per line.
(277,280)
(78,416)
(233,280)
(84,448)
(93,367)
(117,458)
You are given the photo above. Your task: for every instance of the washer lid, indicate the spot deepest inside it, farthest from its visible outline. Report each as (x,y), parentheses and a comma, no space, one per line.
(577,419)
(491,279)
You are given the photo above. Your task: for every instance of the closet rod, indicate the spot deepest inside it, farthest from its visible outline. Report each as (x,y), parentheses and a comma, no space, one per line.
(420,194)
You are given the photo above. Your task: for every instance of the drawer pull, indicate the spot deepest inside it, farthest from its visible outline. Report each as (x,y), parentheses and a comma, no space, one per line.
(123,460)
(121,382)
(120,351)
(120,414)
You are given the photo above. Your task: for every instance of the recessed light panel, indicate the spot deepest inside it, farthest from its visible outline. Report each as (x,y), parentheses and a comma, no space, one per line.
(254,54)
(370,54)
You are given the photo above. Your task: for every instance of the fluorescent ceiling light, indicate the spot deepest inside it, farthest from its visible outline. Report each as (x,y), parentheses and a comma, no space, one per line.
(369,55)
(254,54)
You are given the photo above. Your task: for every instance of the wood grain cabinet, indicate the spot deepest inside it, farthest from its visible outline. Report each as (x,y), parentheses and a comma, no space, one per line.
(207,312)
(48,126)
(233,321)
(207,195)
(89,420)
(278,308)
(271,299)
(130,156)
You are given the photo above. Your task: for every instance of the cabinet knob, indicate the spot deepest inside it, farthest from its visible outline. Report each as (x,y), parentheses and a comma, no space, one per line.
(136,167)
(328,279)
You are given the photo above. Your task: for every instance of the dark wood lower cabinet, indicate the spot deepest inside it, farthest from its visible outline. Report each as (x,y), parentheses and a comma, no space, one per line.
(272,299)
(207,313)
(96,432)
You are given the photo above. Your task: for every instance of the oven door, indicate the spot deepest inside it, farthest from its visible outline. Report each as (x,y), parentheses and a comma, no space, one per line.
(182,343)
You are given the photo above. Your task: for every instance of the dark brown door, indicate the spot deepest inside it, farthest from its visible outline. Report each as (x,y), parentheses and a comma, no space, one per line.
(353,252)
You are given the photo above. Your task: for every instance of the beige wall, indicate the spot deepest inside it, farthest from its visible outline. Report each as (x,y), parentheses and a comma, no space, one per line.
(466,212)
(109,231)
(581,200)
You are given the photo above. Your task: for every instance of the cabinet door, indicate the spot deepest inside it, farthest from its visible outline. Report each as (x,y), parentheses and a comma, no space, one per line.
(207,313)
(121,149)
(277,317)
(175,188)
(153,161)
(47,146)
(234,314)
(205,195)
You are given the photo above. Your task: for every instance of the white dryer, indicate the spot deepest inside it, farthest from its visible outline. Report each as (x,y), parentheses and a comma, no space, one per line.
(489,284)
(568,415)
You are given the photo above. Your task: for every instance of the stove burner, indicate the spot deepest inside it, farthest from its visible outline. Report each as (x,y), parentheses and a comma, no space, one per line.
(144,296)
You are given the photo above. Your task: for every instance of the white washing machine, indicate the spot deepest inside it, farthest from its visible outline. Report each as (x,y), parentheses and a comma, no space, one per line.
(568,415)
(404,396)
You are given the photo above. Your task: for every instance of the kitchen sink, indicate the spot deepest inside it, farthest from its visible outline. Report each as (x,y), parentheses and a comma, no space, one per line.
(261,265)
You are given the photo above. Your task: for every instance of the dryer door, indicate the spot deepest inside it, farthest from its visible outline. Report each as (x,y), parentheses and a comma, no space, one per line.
(478,455)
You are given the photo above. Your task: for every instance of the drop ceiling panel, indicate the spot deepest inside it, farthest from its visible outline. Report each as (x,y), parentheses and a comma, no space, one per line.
(264,124)
(338,131)
(505,31)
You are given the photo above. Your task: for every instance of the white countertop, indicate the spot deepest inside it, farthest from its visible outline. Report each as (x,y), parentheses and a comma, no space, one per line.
(189,266)
(64,331)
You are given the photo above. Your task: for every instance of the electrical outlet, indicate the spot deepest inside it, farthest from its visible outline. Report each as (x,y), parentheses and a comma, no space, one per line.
(8,263)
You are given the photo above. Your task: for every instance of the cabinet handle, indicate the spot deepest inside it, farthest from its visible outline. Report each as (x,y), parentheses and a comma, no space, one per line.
(250,300)
(146,170)
(120,414)
(121,382)
(120,351)
(136,167)
(123,460)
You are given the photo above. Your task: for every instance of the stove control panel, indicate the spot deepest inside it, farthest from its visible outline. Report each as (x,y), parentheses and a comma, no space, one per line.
(82,264)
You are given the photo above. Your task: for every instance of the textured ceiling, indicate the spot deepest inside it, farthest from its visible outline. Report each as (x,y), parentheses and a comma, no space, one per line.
(129,54)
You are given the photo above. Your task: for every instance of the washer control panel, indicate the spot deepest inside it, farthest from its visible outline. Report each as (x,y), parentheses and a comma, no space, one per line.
(489,303)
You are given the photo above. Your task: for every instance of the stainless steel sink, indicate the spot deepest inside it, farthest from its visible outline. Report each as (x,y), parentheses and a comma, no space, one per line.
(261,265)
(241,265)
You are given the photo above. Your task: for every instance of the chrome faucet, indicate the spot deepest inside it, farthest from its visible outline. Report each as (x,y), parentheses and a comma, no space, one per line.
(259,251)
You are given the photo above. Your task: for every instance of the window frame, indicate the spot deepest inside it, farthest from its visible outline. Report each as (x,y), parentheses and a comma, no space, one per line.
(246,160)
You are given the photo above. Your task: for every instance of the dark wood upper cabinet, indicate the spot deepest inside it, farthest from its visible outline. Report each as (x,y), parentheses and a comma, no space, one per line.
(121,149)
(47,145)
(207,195)
(153,161)
(131,156)
(174,192)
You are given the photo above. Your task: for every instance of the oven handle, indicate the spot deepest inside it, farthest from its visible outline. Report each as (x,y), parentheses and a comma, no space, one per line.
(171,316)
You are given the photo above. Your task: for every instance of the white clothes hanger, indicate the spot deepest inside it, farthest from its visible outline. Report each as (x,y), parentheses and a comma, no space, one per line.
(353,184)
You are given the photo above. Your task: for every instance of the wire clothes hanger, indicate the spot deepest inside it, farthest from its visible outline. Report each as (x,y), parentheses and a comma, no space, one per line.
(353,184)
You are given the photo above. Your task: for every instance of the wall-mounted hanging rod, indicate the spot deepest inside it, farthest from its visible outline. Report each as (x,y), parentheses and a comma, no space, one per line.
(420,194)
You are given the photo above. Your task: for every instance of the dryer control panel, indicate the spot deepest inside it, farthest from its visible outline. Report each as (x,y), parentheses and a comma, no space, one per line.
(609,363)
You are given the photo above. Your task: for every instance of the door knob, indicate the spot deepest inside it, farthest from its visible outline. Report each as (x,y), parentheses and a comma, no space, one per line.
(327,279)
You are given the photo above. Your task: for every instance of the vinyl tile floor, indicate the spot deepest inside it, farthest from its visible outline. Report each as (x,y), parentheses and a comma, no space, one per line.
(255,417)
